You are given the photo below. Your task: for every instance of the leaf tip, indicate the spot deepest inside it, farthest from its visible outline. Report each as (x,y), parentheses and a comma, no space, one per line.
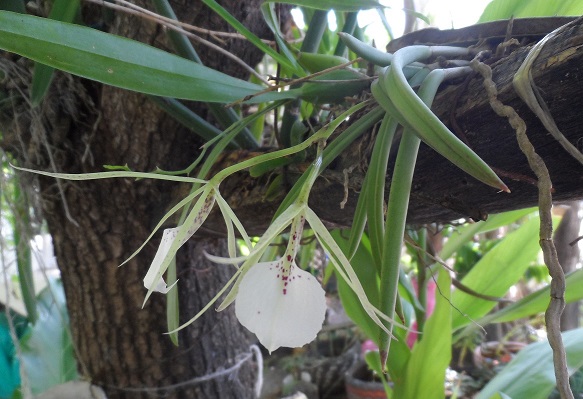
(384,355)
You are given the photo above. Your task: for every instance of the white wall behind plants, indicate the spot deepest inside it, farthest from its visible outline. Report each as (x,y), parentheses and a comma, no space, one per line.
(44,266)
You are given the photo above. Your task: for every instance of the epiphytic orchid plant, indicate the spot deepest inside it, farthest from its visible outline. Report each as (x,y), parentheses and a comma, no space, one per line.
(287,290)
(278,314)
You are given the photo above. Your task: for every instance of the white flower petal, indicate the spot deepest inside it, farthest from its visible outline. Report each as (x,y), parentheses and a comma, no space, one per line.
(282,304)
(153,280)
(150,279)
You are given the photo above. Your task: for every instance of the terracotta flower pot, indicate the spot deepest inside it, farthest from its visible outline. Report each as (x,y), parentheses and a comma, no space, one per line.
(494,353)
(361,384)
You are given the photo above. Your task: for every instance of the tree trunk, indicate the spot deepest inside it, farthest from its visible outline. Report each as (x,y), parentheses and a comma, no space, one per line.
(96,225)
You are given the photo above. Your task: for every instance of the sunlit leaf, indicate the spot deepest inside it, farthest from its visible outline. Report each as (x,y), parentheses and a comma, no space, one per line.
(505,9)
(537,301)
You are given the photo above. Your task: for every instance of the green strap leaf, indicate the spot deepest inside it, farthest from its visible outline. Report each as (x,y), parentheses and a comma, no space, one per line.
(63,10)
(116,61)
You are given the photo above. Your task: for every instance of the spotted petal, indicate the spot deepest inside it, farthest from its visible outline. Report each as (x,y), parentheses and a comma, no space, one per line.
(282,304)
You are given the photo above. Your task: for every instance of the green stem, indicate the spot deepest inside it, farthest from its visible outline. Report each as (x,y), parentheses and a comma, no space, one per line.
(323,134)
(315,31)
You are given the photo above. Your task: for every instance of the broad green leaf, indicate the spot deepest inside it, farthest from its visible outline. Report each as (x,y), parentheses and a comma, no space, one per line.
(364,268)
(505,9)
(531,374)
(116,61)
(537,301)
(337,5)
(496,272)
(425,372)
(464,234)
(63,10)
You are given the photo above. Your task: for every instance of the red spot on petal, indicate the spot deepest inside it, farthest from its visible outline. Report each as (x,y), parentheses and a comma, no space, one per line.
(284,291)
(289,258)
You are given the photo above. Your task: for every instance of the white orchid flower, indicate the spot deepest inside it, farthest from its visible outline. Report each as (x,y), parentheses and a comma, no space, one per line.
(280,303)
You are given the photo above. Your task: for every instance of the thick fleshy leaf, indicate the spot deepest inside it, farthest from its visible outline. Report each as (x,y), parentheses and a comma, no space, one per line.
(281,304)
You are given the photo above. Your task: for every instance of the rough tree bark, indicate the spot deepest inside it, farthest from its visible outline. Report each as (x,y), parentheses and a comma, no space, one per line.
(84,126)
(441,191)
